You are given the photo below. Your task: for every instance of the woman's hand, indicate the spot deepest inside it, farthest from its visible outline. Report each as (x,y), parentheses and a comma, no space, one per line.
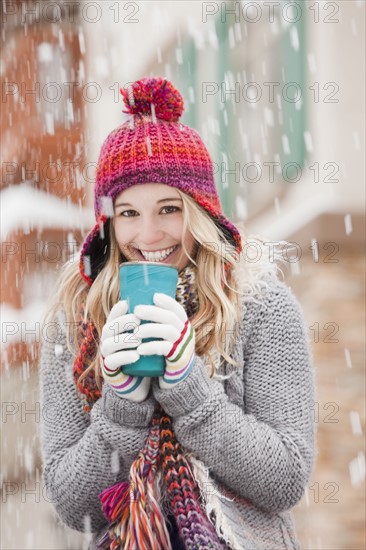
(169,322)
(118,348)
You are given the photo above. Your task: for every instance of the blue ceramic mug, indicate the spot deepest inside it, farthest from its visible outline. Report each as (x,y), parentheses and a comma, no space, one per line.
(138,283)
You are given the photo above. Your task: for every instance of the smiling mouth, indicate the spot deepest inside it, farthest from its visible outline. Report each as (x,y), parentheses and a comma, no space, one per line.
(158,255)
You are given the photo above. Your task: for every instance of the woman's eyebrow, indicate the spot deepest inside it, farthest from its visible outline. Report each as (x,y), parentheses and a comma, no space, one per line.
(158,202)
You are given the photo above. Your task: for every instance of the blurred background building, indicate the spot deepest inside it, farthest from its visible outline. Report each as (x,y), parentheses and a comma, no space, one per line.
(276,90)
(42,149)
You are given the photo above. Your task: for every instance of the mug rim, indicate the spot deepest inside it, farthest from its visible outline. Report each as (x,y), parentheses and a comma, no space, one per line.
(124,264)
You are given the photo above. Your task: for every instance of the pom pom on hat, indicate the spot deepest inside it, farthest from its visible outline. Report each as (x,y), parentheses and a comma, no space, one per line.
(167,101)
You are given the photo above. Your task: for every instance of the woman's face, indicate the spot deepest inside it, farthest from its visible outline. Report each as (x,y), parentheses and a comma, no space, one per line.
(148,224)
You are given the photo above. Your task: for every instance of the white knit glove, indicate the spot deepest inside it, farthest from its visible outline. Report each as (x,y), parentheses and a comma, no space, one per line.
(169,322)
(117,349)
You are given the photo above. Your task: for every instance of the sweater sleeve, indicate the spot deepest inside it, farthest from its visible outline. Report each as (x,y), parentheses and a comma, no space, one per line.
(83,454)
(263,450)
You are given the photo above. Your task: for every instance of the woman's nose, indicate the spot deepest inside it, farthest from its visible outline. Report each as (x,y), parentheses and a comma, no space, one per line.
(150,233)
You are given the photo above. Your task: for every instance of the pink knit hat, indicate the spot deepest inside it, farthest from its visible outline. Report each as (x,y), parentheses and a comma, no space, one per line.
(152,147)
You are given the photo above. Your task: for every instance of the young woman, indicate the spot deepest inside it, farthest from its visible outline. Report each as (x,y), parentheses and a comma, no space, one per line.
(214,453)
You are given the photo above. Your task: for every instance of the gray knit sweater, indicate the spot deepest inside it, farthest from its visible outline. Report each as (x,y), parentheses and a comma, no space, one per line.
(254,430)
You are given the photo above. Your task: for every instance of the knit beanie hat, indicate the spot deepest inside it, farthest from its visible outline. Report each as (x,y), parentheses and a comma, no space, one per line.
(151,147)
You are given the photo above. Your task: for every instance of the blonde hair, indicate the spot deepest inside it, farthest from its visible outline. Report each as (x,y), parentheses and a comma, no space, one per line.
(216,322)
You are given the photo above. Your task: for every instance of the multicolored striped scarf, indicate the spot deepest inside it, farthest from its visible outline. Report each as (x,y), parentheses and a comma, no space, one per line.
(160,477)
